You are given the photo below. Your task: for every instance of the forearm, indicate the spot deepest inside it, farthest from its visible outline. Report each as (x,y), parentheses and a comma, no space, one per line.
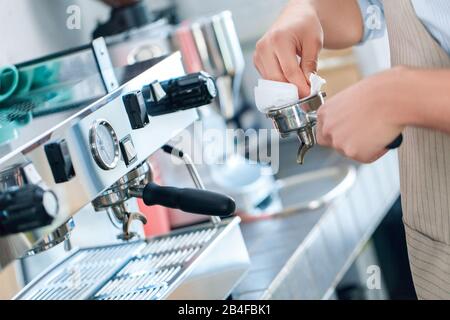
(424,98)
(341,22)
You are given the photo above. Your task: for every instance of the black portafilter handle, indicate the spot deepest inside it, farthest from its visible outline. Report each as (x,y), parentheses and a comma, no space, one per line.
(189,200)
(190,91)
(396,143)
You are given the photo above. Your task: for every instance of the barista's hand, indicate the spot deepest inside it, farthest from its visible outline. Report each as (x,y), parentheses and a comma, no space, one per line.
(297,31)
(119,3)
(362,120)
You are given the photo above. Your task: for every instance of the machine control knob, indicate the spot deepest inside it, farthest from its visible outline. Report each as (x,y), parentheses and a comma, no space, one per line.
(186,92)
(135,106)
(60,162)
(26,208)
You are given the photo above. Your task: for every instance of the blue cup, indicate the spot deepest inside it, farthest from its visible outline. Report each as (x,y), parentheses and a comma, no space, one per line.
(9,80)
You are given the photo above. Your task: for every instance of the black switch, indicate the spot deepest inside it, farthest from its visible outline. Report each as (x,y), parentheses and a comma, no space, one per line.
(60,162)
(128,150)
(136,110)
(186,92)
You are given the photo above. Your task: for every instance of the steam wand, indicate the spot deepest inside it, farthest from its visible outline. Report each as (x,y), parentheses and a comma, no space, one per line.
(192,171)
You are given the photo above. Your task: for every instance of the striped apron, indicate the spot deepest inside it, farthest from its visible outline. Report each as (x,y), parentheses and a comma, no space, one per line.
(424,162)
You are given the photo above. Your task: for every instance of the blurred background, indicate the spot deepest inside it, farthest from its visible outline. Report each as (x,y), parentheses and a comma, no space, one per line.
(36,25)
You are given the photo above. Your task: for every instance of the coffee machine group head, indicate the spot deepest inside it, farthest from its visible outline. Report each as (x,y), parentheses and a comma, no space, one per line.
(138,184)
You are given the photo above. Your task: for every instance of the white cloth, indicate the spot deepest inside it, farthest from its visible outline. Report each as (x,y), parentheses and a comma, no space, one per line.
(273,94)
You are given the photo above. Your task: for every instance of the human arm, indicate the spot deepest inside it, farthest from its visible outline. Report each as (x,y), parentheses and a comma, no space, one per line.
(362,120)
(303,28)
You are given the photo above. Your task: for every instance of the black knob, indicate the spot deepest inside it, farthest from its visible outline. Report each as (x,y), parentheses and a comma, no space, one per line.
(135,106)
(26,208)
(187,92)
(189,200)
(60,161)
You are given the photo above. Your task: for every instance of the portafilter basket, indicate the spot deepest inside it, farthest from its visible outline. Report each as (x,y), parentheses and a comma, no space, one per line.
(299,117)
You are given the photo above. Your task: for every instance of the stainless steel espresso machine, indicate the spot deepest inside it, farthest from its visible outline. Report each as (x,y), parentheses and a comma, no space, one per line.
(211,44)
(76,136)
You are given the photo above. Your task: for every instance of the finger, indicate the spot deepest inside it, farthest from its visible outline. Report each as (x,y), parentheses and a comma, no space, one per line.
(310,57)
(323,136)
(267,63)
(322,139)
(272,68)
(378,155)
(287,57)
(258,64)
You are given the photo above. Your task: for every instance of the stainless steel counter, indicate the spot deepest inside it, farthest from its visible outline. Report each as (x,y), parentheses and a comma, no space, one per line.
(304,255)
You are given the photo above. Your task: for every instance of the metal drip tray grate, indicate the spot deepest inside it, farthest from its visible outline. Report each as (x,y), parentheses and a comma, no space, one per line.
(192,239)
(138,287)
(152,275)
(141,271)
(79,275)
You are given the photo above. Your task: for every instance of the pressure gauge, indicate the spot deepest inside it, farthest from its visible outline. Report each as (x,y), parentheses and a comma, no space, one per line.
(104,144)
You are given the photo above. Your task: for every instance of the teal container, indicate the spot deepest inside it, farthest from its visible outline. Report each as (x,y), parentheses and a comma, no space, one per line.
(9,80)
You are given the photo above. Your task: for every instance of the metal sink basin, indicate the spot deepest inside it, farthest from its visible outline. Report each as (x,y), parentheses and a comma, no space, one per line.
(324,176)
(313,189)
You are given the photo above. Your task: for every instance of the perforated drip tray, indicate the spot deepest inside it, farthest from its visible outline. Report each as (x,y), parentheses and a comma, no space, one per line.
(151,275)
(143,270)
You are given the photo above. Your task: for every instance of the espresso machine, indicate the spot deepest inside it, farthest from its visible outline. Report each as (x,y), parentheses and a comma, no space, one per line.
(84,128)
(211,44)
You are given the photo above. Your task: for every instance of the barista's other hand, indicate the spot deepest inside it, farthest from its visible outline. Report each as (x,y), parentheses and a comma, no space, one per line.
(362,120)
(119,3)
(297,31)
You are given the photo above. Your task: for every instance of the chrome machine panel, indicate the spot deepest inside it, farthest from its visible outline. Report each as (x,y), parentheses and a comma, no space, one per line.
(89,178)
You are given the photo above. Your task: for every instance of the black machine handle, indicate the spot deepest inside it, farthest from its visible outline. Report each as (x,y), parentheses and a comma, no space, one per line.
(26,208)
(189,200)
(396,143)
(186,92)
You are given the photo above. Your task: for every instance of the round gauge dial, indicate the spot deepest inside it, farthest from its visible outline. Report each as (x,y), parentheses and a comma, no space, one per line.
(104,144)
